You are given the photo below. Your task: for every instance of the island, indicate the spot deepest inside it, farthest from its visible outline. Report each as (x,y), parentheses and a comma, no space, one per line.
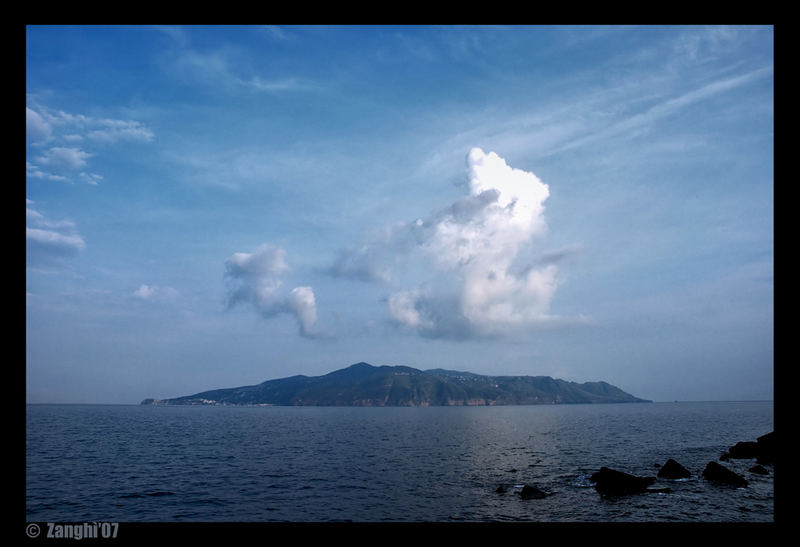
(363,384)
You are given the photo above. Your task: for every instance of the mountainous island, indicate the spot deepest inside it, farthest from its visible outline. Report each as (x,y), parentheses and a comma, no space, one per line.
(363,384)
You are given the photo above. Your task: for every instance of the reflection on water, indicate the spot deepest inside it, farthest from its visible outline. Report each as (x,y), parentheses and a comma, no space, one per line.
(151,463)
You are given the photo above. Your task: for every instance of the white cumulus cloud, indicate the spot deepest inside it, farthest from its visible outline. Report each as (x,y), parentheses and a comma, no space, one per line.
(403,309)
(256,279)
(302,303)
(483,274)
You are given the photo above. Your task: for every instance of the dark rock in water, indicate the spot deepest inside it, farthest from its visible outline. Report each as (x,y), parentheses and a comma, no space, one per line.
(673,470)
(744,450)
(529,492)
(719,473)
(766,449)
(724,457)
(762,449)
(766,439)
(758,470)
(501,489)
(611,482)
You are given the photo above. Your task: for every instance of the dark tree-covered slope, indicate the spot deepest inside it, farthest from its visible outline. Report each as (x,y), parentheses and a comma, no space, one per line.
(363,384)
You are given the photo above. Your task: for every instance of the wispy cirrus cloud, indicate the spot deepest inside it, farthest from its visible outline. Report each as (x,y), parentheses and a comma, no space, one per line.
(36,172)
(681,72)
(635,123)
(50,240)
(110,130)
(230,70)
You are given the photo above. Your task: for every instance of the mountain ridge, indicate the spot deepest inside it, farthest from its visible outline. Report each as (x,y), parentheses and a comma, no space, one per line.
(363,384)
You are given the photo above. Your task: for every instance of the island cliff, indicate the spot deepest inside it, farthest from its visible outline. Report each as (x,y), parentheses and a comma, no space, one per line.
(363,384)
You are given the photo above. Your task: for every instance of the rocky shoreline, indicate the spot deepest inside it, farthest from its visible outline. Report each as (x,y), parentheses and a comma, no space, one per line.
(612,482)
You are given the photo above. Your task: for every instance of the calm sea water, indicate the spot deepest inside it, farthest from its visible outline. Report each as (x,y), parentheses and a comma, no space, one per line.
(312,464)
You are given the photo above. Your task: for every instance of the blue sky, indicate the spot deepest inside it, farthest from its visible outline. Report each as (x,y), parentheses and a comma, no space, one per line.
(217,206)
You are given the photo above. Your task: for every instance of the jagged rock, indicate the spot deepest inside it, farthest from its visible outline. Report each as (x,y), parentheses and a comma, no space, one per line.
(501,489)
(724,457)
(744,450)
(611,482)
(529,492)
(758,470)
(673,470)
(719,473)
(766,449)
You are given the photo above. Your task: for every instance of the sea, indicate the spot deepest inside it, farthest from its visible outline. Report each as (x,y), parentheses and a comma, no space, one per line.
(138,463)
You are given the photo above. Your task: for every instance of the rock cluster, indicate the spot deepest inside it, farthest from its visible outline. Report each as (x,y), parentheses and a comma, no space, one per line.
(762,450)
(611,482)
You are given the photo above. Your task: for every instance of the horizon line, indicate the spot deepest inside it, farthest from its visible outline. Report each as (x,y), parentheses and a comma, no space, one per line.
(430,406)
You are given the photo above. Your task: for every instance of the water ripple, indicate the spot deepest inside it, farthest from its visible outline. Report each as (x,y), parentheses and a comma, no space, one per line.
(120,463)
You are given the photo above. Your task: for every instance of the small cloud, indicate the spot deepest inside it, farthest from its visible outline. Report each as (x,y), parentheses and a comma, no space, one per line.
(120,130)
(155,293)
(276,32)
(256,279)
(65,131)
(176,34)
(35,172)
(38,219)
(64,158)
(302,303)
(55,240)
(255,276)
(279,85)
(36,127)
(91,178)
(49,240)
(223,69)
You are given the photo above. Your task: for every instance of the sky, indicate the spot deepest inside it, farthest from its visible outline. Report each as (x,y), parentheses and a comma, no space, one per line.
(212,206)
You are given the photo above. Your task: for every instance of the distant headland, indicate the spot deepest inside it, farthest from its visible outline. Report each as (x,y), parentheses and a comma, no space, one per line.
(363,384)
